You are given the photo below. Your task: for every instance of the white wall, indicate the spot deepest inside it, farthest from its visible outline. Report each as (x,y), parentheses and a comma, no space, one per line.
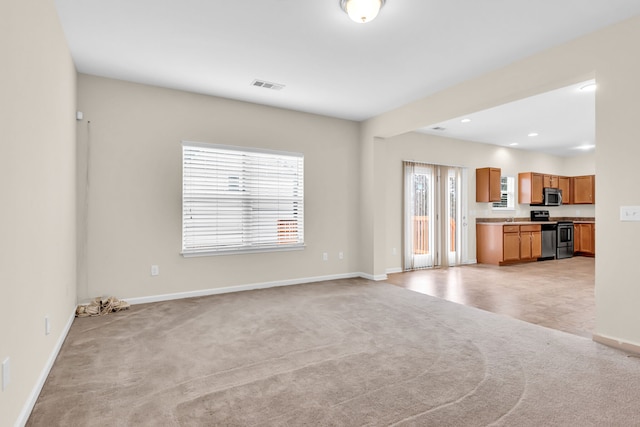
(130,140)
(446,151)
(37,185)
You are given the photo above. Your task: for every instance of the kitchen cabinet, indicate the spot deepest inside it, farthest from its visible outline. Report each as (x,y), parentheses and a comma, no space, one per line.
(530,242)
(584,239)
(564,184)
(583,189)
(488,184)
(501,244)
(530,185)
(575,190)
(550,181)
(511,243)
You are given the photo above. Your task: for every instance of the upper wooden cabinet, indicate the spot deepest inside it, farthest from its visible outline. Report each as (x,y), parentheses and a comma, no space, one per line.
(578,189)
(583,189)
(488,184)
(550,181)
(564,184)
(530,185)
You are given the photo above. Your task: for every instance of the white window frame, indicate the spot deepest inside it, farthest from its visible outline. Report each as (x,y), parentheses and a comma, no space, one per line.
(240,200)
(507,192)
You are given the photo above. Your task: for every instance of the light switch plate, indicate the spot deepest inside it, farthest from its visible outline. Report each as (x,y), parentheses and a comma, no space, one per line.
(629,213)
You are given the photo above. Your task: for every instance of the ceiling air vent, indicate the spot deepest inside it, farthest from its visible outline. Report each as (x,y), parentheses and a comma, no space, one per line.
(267,85)
(439,128)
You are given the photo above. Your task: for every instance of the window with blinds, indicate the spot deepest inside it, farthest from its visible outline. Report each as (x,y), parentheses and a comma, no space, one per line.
(507,194)
(237,200)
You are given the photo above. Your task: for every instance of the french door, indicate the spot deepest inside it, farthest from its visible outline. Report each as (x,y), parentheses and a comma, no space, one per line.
(434,219)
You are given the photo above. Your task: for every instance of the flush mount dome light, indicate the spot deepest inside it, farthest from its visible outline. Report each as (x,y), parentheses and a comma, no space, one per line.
(362,11)
(589,87)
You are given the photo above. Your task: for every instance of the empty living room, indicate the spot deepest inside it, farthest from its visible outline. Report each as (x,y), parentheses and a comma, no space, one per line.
(226,213)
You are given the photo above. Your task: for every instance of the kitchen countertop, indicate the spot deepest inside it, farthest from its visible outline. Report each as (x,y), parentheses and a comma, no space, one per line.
(526,221)
(501,223)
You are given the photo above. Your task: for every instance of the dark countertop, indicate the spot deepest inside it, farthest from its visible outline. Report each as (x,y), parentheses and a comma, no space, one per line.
(526,220)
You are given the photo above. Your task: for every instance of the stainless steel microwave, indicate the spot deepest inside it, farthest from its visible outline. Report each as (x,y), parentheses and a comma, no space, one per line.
(552,197)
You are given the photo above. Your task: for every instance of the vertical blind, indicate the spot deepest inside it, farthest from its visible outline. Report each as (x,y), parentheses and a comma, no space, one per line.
(241,199)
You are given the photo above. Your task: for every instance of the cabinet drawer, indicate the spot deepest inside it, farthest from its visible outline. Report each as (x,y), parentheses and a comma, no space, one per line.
(511,228)
(530,228)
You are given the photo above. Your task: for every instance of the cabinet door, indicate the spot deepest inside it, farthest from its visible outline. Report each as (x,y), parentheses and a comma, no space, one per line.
(583,189)
(536,244)
(488,185)
(577,237)
(586,238)
(530,186)
(525,245)
(563,184)
(511,246)
(537,194)
(550,181)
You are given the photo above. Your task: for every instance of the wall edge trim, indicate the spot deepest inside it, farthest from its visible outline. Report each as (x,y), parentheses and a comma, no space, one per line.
(240,288)
(616,343)
(24,415)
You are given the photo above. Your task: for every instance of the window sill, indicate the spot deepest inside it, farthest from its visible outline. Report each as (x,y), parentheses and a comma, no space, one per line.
(243,251)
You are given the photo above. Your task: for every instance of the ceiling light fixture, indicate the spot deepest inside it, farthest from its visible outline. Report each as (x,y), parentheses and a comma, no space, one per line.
(465,121)
(362,11)
(533,134)
(513,144)
(589,87)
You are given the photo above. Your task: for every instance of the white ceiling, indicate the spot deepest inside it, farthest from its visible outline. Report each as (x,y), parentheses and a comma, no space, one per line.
(562,120)
(328,64)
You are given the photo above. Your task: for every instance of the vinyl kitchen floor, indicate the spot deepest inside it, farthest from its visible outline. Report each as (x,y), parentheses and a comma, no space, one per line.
(558,294)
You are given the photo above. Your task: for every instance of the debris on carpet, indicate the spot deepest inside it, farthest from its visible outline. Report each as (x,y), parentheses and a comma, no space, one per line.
(101,306)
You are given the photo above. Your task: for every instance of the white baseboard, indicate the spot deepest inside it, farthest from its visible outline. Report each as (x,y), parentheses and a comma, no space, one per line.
(615,343)
(376,277)
(239,288)
(394,270)
(33,397)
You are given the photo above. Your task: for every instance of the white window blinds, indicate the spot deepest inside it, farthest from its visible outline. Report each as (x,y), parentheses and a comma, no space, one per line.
(241,199)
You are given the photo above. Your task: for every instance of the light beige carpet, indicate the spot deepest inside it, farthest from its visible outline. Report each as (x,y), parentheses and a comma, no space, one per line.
(342,353)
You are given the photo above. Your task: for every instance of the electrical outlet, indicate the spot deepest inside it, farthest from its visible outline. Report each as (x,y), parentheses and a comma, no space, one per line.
(47,325)
(340,255)
(155,270)
(394,251)
(6,374)
(325,256)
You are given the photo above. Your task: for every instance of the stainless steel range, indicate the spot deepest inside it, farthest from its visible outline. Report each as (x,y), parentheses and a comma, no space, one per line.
(557,237)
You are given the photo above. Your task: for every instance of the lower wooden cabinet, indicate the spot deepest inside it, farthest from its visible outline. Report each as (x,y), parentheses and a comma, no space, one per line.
(530,242)
(501,244)
(584,239)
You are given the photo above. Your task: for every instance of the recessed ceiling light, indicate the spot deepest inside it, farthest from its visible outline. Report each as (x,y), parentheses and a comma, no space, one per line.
(533,134)
(589,87)
(513,143)
(585,147)
(465,121)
